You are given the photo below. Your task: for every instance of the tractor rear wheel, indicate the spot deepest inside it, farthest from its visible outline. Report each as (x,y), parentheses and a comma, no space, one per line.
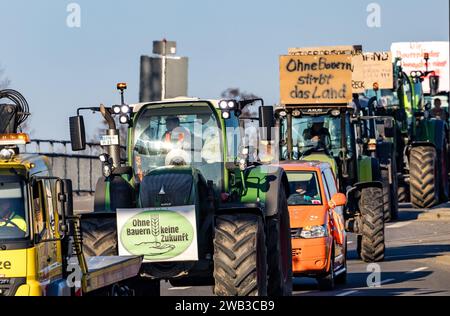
(424,177)
(99,236)
(240,256)
(279,256)
(371,241)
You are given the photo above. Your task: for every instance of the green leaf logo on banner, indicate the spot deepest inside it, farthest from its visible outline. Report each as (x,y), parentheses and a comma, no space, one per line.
(158,235)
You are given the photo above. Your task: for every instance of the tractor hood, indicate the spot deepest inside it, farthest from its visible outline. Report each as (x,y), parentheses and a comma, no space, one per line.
(168,187)
(302,216)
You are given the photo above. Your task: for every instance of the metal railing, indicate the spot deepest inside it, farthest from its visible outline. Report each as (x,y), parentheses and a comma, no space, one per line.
(83,168)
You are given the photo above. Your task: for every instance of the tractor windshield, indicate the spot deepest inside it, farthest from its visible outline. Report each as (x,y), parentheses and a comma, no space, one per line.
(178,134)
(13,215)
(316,133)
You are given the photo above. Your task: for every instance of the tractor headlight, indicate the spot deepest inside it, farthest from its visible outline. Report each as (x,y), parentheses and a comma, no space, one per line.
(6,154)
(107,171)
(335,113)
(223,104)
(116,109)
(124,119)
(125,109)
(309,232)
(231,104)
(225,115)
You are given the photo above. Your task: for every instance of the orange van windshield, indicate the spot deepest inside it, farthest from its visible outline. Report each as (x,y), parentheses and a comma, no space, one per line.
(304,187)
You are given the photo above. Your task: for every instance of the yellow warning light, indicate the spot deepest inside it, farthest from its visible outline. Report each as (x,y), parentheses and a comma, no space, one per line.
(121,86)
(14,139)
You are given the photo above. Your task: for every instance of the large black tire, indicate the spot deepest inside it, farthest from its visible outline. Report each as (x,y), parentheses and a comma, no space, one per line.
(403,196)
(240,256)
(444,187)
(386,194)
(424,177)
(99,236)
(279,256)
(372,244)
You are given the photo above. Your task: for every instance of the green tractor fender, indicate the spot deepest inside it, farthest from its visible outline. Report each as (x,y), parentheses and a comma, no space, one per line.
(263,185)
(430,132)
(368,169)
(114,192)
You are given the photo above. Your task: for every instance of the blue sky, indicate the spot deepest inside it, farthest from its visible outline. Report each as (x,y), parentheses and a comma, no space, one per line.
(233,43)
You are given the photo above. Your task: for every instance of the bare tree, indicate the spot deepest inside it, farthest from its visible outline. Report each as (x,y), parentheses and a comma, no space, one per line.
(4,82)
(235,93)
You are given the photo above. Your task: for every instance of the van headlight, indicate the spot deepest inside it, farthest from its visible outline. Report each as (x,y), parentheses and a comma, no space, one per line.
(309,232)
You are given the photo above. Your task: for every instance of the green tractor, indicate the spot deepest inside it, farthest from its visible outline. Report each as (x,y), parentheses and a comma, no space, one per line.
(421,140)
(377,132)
(358,175)
(192,197)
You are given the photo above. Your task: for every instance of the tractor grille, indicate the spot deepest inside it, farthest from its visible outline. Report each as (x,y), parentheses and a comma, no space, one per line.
(171,189)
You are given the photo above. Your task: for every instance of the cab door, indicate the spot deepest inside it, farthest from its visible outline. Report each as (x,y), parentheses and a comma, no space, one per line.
(49,266)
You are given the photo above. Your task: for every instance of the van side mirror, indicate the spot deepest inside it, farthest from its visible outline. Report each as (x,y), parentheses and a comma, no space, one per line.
(266,122)
(77,133)
(434,85)
(339,199)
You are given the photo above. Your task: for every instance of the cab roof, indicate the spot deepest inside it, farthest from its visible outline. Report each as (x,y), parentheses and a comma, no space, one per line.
(136,107)
(34,164)
(298,165)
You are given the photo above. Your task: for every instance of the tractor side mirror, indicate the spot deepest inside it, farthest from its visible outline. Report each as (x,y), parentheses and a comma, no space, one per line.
(77,133)
(266,122)
(63,191)
(338,199)
(434,85)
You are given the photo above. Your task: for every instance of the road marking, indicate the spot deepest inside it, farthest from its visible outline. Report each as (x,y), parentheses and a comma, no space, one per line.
(398,225)
(386,281)
(417,270)
(179,288)
(346,293)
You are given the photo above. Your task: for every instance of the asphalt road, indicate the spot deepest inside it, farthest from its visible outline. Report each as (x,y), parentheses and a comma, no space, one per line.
(417,261)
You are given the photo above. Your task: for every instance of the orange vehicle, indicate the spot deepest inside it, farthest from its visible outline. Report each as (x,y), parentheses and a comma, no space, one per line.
(319,242)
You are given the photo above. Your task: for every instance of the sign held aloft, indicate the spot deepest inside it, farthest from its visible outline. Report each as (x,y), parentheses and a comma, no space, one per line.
(371,68)
(322,79)
(326,50)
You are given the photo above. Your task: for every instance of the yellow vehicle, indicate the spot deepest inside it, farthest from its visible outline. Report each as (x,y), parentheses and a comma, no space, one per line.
(40,247)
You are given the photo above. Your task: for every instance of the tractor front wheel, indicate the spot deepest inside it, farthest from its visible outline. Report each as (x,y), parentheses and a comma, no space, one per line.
(240,256)
(424,177)
(371,245)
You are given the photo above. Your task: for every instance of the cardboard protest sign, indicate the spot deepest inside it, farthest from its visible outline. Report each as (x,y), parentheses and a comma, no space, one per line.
(316,79)
(371,68)
(326,50)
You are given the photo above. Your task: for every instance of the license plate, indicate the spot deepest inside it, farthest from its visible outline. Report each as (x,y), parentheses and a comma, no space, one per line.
(108,140)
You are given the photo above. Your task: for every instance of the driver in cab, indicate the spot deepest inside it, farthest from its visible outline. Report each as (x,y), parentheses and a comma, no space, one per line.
(318,134)
(9,218)
(175,134)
